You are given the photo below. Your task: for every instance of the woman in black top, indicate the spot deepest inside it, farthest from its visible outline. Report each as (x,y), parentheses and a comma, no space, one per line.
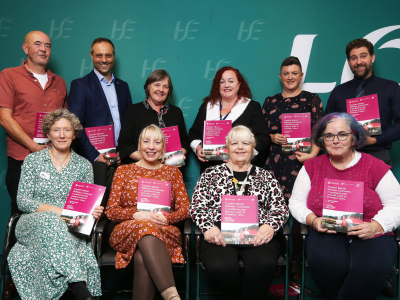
(155,109)
(230,99)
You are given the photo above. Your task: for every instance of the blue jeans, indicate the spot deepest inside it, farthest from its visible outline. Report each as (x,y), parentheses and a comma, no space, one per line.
(344,270)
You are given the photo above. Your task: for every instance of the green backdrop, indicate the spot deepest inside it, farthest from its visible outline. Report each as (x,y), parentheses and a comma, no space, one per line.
(192,39)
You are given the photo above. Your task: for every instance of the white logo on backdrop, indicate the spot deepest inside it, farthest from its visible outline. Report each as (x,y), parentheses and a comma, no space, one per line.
(60,29)
(302,45)
(182,102)
(153,67)
(2,27)
(123,29)
(185,31)
(84,68)
(217,67)
(249,31)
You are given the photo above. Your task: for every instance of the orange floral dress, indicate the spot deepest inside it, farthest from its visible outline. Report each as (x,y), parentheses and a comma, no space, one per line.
(122,205)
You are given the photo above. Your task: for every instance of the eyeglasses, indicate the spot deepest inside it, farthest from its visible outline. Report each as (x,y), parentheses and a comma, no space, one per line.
(342,136)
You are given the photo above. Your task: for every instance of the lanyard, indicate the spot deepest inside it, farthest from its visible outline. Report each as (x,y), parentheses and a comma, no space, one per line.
(220,116)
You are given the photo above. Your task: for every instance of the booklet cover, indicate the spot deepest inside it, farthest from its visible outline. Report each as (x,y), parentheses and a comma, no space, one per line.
(239,219)
(38,136)
(173,148)
(102,138)
(214,139)
(297,129)
(81,201)
(366,111)
(343,204)
(154,196)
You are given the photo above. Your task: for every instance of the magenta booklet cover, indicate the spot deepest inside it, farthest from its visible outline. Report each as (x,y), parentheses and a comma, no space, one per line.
(343,204)
(81,201)
(38,136)
(297,129)
(239,219)
(366,111)
(154,196)
(214,139)
(173,148)
(102,138)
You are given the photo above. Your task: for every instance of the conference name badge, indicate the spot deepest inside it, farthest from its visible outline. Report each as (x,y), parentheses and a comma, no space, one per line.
(45,175)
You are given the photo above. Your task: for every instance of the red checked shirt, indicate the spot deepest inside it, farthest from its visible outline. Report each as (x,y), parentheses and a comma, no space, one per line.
(21,92)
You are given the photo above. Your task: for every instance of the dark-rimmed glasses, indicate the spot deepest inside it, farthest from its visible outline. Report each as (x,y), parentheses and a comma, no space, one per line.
(342,136)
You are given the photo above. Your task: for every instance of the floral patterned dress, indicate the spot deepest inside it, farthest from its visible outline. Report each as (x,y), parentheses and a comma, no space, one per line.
(122,204)
(286,167)
(47,257)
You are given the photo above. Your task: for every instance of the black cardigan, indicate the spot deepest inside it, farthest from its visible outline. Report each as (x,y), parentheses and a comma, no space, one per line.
(137,118)
(252,118)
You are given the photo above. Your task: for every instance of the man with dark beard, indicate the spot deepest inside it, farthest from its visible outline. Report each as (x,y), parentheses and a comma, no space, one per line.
(360,57)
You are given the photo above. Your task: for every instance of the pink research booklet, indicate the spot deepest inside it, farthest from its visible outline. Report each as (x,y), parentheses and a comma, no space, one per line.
(154,196)
(38,136)
(102,138)
(81,201)
(297,129)
(214,139)
(173,148)
(239,219)
(366,111)
(343,204)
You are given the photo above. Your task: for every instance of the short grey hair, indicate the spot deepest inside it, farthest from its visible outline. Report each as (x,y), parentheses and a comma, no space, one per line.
(54,116)
(240,133)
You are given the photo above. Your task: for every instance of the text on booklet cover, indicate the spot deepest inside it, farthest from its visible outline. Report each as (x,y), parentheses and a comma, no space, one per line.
(154,195)
(173,148)
(366,111)
(239,219)
(343,204)
(214,139)
(38,136)
(102,138)
(81,201)
(297,129)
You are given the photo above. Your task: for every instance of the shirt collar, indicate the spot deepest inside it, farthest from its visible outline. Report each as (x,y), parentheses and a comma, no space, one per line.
(49,73)
(163,109)
(102,78)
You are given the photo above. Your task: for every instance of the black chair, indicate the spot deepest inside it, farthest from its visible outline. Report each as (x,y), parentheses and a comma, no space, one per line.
(304,233)
(282,261)
(106,255)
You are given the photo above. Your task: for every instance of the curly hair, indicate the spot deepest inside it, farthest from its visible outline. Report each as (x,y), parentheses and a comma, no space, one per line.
(358,43)
(215,95)
(54,116)
(359,134)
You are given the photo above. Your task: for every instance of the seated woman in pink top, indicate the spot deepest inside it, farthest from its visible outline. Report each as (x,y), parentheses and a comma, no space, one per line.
(342,264)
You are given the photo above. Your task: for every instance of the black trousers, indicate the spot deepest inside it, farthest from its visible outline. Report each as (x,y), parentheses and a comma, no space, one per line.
(12,180)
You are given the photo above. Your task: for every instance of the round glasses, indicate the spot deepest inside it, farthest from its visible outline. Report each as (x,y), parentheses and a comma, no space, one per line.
(342,136)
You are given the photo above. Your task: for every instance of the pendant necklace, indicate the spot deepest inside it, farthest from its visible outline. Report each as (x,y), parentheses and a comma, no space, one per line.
(61,165)
(239,191)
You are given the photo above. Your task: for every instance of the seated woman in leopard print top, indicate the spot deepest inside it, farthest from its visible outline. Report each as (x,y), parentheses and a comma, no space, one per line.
(239,177)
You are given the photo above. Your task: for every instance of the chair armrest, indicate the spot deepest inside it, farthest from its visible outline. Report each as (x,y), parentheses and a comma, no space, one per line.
(303,229)
(197,230)
(187,227)
(286,230)
(397,234)
(101,224)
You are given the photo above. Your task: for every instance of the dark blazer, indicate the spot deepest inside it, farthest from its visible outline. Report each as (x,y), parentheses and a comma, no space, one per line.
(88,102)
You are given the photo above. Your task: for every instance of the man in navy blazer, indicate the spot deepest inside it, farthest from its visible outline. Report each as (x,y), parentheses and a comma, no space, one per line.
(99,98)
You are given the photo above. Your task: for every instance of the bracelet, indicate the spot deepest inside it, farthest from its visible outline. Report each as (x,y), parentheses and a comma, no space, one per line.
(312,221)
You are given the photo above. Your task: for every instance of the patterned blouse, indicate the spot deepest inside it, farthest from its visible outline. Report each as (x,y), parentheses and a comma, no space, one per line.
(216,181)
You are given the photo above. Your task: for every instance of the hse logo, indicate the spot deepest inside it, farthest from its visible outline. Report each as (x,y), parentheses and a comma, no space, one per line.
(249,31)
(153,66)
(185,31)
(3,27)
(183,105)
(126,27)
(302,45)
(215,69)
(60,29)
(85,68)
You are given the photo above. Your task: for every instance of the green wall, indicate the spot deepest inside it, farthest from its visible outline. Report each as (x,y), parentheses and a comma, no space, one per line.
(192,39)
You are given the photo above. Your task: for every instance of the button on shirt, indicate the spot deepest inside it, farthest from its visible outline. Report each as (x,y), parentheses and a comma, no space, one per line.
(111,95)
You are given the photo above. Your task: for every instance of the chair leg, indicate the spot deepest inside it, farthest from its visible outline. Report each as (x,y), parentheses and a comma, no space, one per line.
(287,269)
(303,270)
(187,294)
(197,268)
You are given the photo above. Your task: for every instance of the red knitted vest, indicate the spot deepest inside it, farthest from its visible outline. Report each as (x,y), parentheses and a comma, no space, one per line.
(369,169)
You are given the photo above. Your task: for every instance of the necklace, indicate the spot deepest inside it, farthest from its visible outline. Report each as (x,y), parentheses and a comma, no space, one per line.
(148,168)
(239,191)
(61,165)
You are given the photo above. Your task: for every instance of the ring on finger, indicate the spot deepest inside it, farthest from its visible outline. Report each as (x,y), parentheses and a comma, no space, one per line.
(265,237)
(215,238)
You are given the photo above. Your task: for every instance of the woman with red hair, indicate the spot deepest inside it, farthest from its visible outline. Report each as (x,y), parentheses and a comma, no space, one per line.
(230,99)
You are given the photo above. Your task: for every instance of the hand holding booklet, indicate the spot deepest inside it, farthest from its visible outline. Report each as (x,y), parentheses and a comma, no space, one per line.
(173,148)
(102,138)
(366,111)
(154,196)
(297,129)
(214,139)
(81,201)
